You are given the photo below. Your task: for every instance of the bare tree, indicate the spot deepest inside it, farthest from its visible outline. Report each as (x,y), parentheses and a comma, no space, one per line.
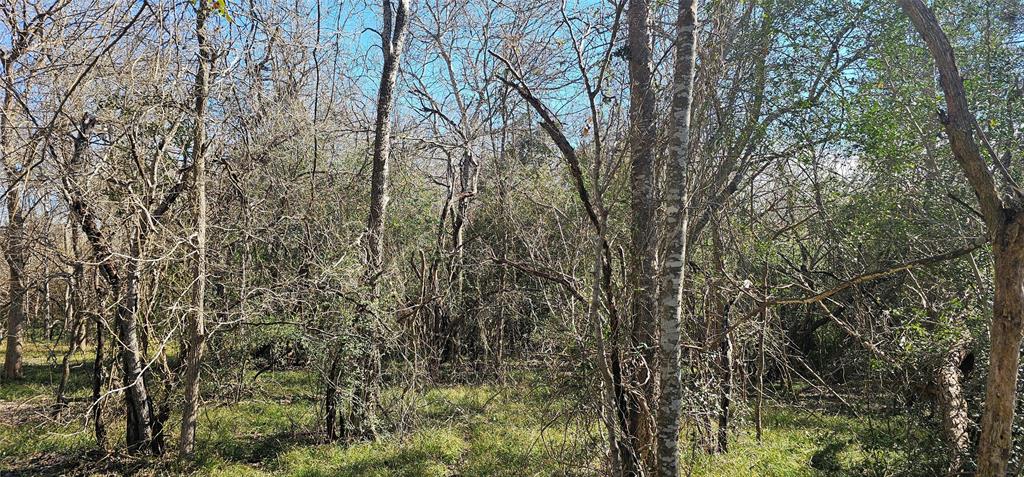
(26,29)
(676,221)
(196,339)
(393,34)
(123,282)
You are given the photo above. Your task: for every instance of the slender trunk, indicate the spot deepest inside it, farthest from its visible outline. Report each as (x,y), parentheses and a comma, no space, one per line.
(670,294)
(393,34)
(643,269)
(197,324)
(65,366)
(759,407)
(725,384)
(996,444)
(46,298)
(393,37)
(468,171)
(953,405)
(14,251)
(723,305)
(98,377)
(139,428)
(331,414)
(77,326)
(16,260)
(619,451)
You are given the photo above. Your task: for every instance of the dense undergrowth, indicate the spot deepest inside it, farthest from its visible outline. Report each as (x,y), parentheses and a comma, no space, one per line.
(512,429)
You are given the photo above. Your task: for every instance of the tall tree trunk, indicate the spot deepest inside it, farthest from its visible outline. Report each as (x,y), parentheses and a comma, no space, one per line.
(197,324)
(670,293)
(996,443)
(393,42)
(16,260)
(643,269)
(1005,224)
(393,34)
(124,289)
(468,170)
(14,251)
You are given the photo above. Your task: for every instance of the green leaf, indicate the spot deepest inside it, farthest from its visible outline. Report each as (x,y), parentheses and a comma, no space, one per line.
(222,5)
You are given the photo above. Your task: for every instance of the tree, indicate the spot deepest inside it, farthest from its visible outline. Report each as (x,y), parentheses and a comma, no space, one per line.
(393,34)
(17,167)
(1004,219)
(643,227)
(123,282)
(676,223)
(196,339)
(643,142)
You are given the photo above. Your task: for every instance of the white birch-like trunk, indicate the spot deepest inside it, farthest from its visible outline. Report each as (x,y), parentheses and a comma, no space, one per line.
(670,294)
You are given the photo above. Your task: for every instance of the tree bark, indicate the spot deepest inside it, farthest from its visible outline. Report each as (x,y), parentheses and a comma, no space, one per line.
(953,405)
(98,376)
(725,350)
(77,327)
(393,42)
(996,443)
(643,269)
(725,374)
(48,324)
(469,168)
(14,252)
(197,324)
(331,411)
(673,275)
(16,260)
(139,429)
(1004,223)
(725,384)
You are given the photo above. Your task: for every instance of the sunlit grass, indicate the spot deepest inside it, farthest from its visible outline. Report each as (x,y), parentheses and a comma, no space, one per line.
(480,430)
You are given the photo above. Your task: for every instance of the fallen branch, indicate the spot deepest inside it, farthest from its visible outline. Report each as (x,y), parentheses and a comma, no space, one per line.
(875,275)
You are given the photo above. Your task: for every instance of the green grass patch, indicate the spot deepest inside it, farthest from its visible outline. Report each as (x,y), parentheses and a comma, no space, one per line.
(519,429)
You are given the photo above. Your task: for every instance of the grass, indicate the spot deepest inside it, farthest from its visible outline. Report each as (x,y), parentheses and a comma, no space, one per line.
(42,374)
(482,430)
(803,443)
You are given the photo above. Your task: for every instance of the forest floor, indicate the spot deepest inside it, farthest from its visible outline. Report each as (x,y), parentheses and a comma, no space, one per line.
(509,430)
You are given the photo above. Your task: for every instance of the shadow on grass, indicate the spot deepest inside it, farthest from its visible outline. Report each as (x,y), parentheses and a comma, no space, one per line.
(258,449)
(90,462)
(42,379)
